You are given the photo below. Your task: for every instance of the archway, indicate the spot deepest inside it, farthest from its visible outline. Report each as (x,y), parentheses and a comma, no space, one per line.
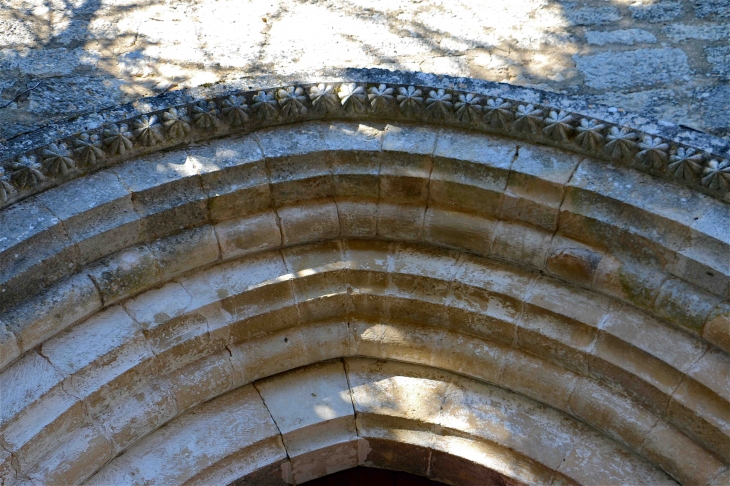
(277,285)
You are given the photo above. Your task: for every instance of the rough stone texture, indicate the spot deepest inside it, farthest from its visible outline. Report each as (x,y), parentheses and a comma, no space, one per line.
(517,304)
(93,55)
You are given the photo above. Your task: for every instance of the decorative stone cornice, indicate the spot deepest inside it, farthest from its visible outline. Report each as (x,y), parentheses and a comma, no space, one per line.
(172,124)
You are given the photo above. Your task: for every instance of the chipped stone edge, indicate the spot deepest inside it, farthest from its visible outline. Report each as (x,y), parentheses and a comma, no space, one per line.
(62,152)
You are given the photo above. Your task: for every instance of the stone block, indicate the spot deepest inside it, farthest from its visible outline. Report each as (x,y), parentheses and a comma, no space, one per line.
(240,237)
(379,388)
(535,188)
(265,463)
(19,391)
(228,279)
(404,178)
(538,379)
(135,414)
(400,222)
(481,462)
(76,459)
(125,273)
(703,415)
(502,278)
(322,414)
(521,244)
(238,190)
(71,351)
(497,415)
(219,428)
(394,455)
(678,455)
(580,305)
(496,323)
(572,261)
(36,251)
(326,340)
(61,305)
(201,380)
(358,217)
(459,230)
(467,186)
(220,155)
(355,174)
(41,426)
(628,280)
(96,213)
(166,192)
(267,355)
(7,472)
(409,139)
(185,251)
(158,306)
(470,356)
(594,459)
(556,338)
(300,178)
(307,223)
(261,311)
(627,69)
(642,376)
(654,337)
(9,347)
(611,412)
(684,305)
(363,136)
(717,327)
(292,140)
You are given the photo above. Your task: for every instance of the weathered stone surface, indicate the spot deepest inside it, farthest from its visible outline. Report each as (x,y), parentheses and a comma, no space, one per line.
(624,36)
(626,69)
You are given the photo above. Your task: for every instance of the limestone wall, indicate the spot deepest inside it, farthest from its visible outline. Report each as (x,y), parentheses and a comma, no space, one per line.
(664,59)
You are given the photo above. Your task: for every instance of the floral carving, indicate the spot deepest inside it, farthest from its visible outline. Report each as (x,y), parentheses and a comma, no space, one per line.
(235,110)
(353,98)
(57,159)
(381,98)
(410,100)
(291,100)
(589,134)
(26,172)
(716,175)
(468,108)
(88,149)
(653,153)
(438,104)
(176,123)
(558,125)
(527,118)
(205,115)
(6,188)
(264,104)
(323,98)
(498,113)
(685,164)
(118,139)
(620,143)
(147,130)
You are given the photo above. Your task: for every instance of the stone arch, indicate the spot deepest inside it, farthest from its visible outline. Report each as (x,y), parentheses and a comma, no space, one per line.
(517,262)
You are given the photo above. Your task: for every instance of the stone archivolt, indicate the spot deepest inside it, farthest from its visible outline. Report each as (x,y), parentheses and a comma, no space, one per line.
(270,307)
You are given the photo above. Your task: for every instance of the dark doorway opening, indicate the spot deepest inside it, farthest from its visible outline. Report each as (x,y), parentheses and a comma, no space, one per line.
(365,476)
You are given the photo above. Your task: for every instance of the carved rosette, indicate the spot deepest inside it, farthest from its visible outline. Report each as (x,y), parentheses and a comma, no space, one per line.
(57,159)
(88,149)
(26,172)
(381,99)
(118,139)
(203,118)
(235,110)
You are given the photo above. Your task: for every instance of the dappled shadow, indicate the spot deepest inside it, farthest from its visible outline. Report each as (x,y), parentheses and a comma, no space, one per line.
(89,54)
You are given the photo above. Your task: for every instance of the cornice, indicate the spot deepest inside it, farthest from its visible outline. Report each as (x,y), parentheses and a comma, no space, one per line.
(54,155)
